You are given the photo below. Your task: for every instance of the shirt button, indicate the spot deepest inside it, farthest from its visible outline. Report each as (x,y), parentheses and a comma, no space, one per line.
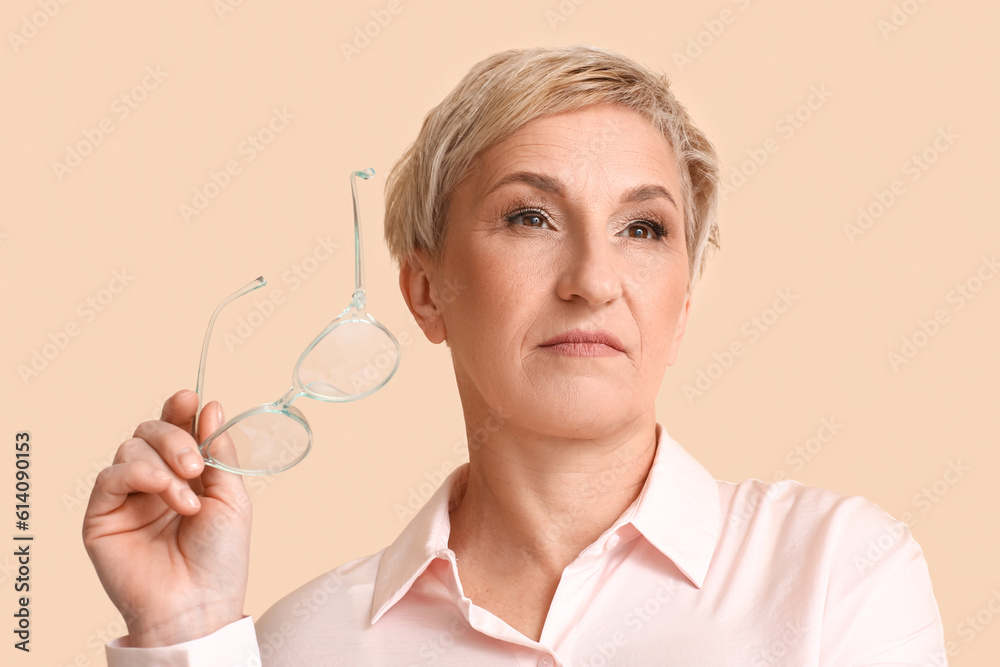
(546,661)
(612,542)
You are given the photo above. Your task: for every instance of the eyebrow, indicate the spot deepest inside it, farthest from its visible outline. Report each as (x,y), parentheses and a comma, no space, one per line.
(640,193)
(643,193)
(537,181)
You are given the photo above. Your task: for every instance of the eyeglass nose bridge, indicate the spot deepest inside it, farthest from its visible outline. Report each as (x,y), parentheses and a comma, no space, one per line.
(282,459)
(285,402)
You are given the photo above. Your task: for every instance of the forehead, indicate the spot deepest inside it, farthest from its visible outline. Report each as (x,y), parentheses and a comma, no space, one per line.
(609,142)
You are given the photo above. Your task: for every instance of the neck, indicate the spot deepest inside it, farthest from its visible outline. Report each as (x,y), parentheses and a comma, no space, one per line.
(534,501)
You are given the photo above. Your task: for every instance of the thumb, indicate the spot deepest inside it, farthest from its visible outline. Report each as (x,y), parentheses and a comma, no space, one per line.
(221,484)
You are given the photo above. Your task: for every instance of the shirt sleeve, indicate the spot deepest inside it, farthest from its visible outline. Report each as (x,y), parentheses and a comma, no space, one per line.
(234,645)
(880,604)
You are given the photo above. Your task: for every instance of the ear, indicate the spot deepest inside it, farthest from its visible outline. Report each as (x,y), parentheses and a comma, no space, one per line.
(415,277)
(679,333)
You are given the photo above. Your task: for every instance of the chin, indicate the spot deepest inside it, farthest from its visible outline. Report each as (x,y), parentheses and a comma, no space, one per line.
(577,412)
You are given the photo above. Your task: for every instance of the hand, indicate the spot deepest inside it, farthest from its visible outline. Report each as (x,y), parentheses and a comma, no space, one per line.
(169,536)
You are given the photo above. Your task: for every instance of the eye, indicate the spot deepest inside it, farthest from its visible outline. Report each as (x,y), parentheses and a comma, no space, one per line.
(644,229)
(528,218)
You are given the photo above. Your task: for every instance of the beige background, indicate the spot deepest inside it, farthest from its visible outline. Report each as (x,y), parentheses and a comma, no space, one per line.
(226,65)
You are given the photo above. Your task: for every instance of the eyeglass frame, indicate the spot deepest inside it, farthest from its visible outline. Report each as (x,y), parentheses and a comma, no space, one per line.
(283,406)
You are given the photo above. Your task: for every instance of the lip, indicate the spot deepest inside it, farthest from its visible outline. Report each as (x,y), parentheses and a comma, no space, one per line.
(578,342)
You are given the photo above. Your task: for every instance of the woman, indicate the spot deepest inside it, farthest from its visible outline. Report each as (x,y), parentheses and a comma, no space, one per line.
(550,221)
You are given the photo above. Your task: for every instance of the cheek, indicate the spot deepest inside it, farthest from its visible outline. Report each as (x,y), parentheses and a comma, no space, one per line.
(491,292)
(655,325)
(659,306)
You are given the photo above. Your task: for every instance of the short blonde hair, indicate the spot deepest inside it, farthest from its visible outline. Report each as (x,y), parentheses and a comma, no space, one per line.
(509,89)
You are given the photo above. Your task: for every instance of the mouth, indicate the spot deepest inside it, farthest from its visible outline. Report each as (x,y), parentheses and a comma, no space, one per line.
(580,343)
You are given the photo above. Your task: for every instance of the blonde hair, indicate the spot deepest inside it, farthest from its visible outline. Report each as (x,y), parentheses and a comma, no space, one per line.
(509,89)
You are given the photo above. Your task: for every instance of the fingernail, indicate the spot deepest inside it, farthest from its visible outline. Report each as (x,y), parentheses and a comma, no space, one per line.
(183,393)
(188,498)
(220,415)
(188,459)
(161,476)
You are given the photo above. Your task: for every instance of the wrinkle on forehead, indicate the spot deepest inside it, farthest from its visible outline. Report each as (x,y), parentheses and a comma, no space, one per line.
(587,149)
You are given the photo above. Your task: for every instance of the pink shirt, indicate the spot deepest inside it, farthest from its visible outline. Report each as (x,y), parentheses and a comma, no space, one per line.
(695,572)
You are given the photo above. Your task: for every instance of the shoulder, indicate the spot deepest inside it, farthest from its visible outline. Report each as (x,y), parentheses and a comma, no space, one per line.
(809,508)
(838,553)
(820,521)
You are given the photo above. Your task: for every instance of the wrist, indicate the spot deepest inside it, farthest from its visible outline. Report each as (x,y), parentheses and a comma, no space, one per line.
(193,624)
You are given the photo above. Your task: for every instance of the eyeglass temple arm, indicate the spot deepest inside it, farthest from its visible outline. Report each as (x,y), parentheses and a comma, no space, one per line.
(359,273)
(199,386)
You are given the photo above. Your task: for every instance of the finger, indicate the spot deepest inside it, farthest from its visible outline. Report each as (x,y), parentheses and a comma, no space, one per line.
(180,409)
(174,445)
(116,482)
(179,495)
(219,483)
(221,448)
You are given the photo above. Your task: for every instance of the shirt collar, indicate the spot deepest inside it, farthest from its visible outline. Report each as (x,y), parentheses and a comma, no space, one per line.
(677,511)
(424,539)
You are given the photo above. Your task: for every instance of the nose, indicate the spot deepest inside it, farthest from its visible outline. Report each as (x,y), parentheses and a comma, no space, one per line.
(590,265)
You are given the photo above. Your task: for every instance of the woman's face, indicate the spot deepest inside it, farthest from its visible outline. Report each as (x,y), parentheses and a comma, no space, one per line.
(573,226)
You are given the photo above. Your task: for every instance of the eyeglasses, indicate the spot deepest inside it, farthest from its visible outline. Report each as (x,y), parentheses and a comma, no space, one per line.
(353,357)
